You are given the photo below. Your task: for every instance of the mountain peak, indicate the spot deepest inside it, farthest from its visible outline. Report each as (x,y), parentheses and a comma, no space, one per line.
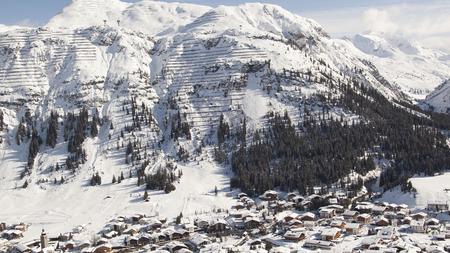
(151,17)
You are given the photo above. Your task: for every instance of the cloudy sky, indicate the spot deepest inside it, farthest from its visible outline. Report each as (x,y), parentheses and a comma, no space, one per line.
(427,21)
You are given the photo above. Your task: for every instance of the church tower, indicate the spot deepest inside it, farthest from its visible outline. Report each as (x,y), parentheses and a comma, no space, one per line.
(44,240)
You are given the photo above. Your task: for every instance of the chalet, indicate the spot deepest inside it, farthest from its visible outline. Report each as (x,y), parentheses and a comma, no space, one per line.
(294,235)
(290,196)
(70,245)
(163,220)
(104,248)
(364,218)
(144,240)
(295,223)
(316,244)
(237,223)
(369,241)
(133,241)
(160,237)
(304,205)
(175,246)
(382,222)
(402,214)
(201,223)
(387,234)
(353,228)
(22,227)
(110,234)
(337,208)
(189,227)
(418,226)
(391,215)
(151,221)
(83,244)
(242,195)
(307,217)
(438,207)
(135,218)
(364,207)
(447,231)
(176,234)
(290,217)
(102,241)
(392,207)
(12,234)
(269,196)
(20,248)
(419,216)
(350,215)
(287,206)
(218,226)
(131,231)
(198,241)
(403,206)
(407,220)
(330,234)
(333,201)
(309,224)
(432,222)
(337,224)
(256,244)
(248,202)
(378,210)
(327,213)
(298,199)
(439,237)
(434,249)
(252,223)
(239,206)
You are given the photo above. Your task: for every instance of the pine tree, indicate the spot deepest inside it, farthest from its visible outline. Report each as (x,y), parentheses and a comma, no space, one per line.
(94,129)
(114,179)
(145,195)
(52,130)
(2,122)
(33,148)
(178,219)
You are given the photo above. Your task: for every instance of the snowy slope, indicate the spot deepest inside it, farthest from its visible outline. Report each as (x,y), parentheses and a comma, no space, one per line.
(418,70)
(439,99)
(425,194)
(175,59)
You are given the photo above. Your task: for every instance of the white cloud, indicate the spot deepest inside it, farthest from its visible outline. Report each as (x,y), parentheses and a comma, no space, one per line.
(378,20)
(427,22)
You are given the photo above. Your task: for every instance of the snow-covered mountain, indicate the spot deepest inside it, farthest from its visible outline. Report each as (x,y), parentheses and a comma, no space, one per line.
(156,84)
(416,69)
(150,17)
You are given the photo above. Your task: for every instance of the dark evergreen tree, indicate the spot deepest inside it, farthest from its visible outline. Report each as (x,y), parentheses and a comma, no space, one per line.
(52,130)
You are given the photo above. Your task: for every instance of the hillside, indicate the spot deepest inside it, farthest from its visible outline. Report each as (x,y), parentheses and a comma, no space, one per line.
(439,99)
(93,114)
